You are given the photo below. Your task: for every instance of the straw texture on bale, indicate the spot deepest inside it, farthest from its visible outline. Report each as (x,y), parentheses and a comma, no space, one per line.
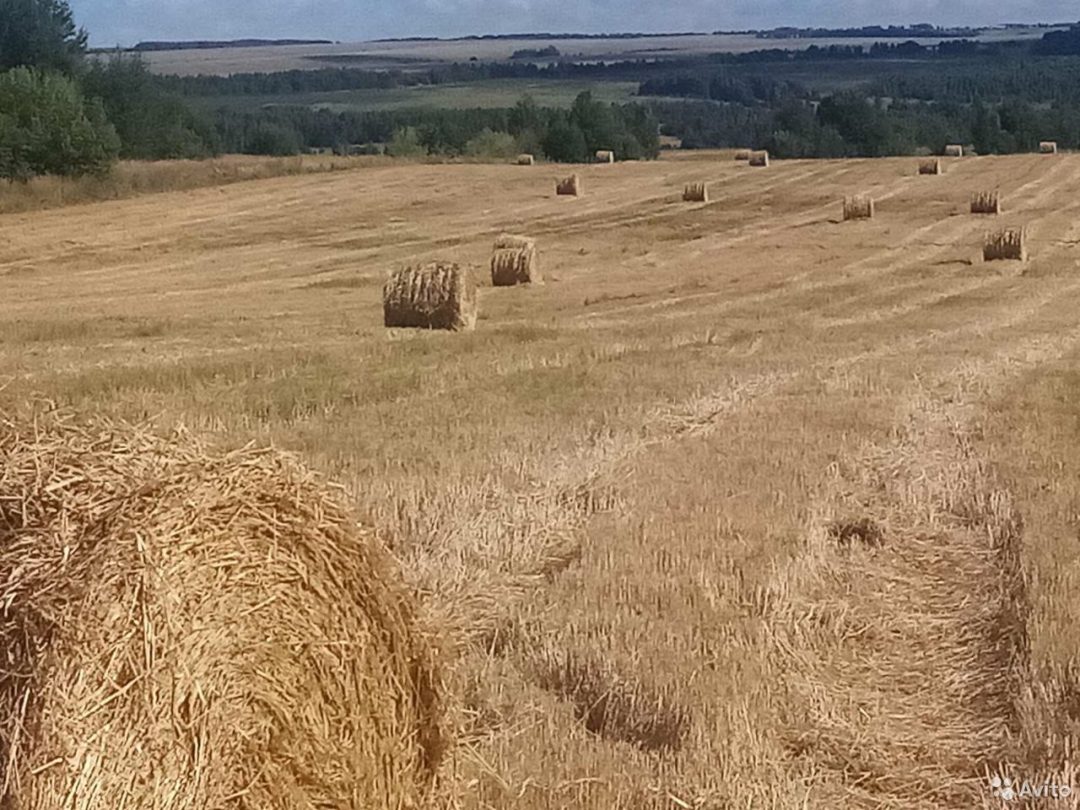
(605,156)
(930,167)
(986,202)
(954,150)
(759,158)
(436,295)
(695,192)
(742,154)
(859,206)
(1048,147)
(515,261)
(569,187)
(193,630)
(1010,243)
(525,160)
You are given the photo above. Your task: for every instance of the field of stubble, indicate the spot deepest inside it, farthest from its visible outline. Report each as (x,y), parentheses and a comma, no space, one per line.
(746,507)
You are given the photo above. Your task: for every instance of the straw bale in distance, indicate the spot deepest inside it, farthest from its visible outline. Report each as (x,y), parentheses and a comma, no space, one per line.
(1048,147)
(569,187)
(932,166)
(695,192)
(191,629)
(605,156)
(859,206)
(515,261)
(954,150)
(986,202)
(759,158)
(1010,243)
(435,295)
(742,154)
(525,160)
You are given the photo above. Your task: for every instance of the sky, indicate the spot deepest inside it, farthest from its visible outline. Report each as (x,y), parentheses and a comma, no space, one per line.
(125,22)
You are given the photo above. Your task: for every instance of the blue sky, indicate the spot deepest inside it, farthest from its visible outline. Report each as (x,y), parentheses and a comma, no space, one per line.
(127,21)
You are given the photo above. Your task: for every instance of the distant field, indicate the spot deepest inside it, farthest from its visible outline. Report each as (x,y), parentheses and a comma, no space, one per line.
(489,94)
(419,55)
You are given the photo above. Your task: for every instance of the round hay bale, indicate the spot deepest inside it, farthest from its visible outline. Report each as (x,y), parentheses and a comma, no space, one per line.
(196,631)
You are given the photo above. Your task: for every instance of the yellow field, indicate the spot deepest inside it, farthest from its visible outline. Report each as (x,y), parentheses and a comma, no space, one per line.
(746,507)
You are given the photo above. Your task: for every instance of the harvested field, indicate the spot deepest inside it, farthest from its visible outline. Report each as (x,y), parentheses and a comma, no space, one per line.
(739,509)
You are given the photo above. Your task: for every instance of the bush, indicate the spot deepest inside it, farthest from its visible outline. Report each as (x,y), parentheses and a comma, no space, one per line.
(406,143)
(492,144)
(277,140)
(46,127)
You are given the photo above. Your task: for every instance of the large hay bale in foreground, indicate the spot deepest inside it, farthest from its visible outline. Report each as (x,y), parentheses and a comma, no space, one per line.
(759,158)
(515,261)
(525,160)
(1048,147)
(605,156)
(742,154)
(569,187)
(932,166)
(860,206)
(436,295)
(1010,243)
(986,202)
(954,150)
(197,630)
(695,192)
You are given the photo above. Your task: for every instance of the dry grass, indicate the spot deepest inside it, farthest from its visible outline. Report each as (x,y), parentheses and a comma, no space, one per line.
(1009,243)
(189,629)
(436,295)
(932,166)
(599,494)
(986,202)
(605,156)
(695,192)
(525,160)
(743,154)
(759,158)
(134,178)
(861,206)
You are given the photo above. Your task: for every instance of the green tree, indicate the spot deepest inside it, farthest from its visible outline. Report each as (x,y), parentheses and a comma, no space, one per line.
(565,142)
(152,123)
(46,127)
(41,34)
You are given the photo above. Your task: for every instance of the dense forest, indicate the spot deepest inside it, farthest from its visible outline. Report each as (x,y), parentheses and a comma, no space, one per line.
(62,111)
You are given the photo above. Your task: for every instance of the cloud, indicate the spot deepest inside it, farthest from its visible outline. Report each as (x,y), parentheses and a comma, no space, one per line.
(127,21)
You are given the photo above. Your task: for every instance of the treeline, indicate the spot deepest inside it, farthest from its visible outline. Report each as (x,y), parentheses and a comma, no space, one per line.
(851,124)
(573,135)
